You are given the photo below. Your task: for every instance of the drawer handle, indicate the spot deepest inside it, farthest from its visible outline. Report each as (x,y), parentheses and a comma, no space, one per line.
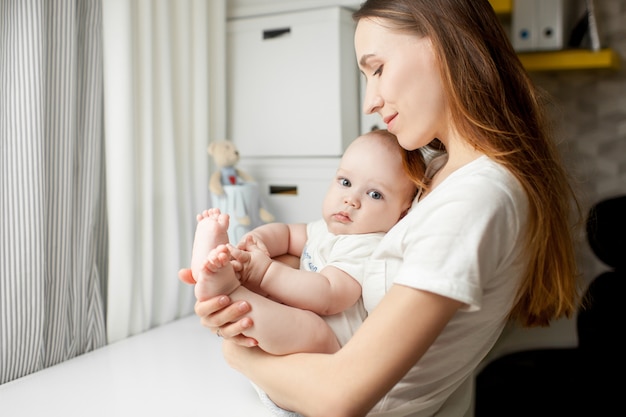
(275,33)
(283,190)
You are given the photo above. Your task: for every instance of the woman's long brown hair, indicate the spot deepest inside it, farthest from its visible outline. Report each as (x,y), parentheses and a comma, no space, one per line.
(495,106)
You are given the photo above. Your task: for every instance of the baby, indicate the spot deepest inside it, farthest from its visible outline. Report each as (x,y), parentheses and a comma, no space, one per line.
(366,198)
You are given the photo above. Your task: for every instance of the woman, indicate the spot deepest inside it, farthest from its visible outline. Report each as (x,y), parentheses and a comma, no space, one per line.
(488,239)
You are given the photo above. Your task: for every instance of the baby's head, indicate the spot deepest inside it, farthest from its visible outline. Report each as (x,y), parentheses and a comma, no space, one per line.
(371,190)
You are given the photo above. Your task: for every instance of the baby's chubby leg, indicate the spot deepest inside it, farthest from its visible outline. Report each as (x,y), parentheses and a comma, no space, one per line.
(210,265)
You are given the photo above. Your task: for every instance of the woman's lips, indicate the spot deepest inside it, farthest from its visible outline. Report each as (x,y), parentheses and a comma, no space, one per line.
(387,120)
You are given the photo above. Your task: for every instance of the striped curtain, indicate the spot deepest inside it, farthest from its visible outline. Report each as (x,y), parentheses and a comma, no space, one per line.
(164,79)
(53,238)
(89,237)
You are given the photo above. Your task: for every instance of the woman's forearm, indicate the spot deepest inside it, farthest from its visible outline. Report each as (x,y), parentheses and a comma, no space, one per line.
(351,381)
(292,389)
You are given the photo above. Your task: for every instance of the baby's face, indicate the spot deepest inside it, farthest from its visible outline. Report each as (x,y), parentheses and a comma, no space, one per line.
(370,191)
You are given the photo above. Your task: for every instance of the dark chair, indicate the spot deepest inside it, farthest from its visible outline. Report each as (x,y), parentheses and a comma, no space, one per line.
(586,380)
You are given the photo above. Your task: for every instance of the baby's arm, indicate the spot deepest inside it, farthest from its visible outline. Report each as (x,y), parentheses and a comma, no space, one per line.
(326,292)
(276,239)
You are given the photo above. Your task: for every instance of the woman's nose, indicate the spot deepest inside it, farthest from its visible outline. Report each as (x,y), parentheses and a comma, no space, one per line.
(372,101)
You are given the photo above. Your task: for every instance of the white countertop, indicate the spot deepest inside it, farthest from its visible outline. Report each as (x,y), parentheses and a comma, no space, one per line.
(173,370)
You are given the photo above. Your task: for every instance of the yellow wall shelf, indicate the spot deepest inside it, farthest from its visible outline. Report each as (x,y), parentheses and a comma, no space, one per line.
(502,7)
(570,60)
(560,60)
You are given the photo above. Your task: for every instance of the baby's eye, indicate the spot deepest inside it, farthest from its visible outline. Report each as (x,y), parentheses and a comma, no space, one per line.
(378,71)
(375,195)
(345,182)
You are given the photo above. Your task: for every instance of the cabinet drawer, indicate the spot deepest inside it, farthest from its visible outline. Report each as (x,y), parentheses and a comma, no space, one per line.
(292,189)
(293,83)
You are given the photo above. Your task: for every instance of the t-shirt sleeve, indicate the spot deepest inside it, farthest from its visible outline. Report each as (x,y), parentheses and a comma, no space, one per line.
(459,241)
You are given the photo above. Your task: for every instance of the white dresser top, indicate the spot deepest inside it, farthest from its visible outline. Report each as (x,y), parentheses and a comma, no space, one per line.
(173,370)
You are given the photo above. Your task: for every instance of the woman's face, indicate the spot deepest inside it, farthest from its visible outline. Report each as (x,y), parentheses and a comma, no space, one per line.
(403,83)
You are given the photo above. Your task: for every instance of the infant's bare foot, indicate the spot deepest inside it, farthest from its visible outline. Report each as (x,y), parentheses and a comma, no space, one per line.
(210,266)
(217,276)
(213,213)
(211,231)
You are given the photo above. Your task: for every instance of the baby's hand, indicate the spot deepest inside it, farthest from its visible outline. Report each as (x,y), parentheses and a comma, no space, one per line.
(250,242)
(250,266)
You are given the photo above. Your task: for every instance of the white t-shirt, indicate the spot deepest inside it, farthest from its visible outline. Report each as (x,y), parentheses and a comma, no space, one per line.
(463,241)
(347,253)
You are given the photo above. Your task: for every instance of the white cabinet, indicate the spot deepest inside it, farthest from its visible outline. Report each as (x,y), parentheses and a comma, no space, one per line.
(292,189)
(293,84)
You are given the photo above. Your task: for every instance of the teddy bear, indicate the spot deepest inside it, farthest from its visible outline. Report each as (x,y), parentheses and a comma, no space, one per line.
(226,156)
